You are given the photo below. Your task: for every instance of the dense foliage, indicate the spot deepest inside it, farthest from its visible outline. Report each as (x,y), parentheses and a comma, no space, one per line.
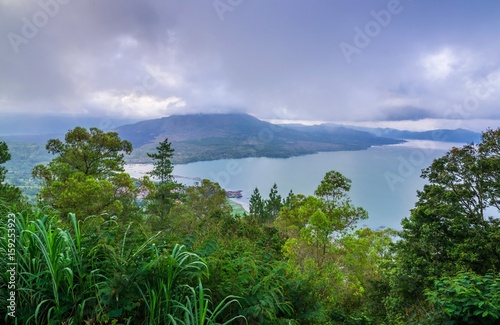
(451,229)
(101,248)
(8,193)
(86,176)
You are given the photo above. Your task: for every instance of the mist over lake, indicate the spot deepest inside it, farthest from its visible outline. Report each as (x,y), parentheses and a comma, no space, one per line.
(385,179)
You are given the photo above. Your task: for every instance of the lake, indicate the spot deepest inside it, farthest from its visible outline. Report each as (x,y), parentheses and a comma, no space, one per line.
(385,179)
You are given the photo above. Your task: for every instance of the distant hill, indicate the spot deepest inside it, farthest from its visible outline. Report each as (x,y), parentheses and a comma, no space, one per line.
(445,135)
(217,136)
(198,137)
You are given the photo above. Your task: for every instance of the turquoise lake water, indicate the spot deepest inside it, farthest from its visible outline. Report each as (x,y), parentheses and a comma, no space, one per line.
(384,179)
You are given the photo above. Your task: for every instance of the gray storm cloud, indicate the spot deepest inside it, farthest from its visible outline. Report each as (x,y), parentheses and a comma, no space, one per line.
(274,59)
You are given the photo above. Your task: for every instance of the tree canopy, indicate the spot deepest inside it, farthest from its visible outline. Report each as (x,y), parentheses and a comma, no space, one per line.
(162,162)
(86,175)
(8,193)
(163,194)
(453,227)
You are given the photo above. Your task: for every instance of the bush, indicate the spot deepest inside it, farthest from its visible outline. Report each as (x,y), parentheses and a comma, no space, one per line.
(467,297)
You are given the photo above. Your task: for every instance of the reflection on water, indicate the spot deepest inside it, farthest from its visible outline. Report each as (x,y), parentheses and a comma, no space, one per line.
(428,144)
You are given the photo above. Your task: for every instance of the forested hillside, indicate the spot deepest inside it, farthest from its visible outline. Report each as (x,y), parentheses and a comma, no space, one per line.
(99,247)
(198,137)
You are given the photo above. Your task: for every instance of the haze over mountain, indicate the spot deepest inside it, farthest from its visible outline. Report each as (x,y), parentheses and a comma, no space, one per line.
(445,135)
(217,136)
(234,135)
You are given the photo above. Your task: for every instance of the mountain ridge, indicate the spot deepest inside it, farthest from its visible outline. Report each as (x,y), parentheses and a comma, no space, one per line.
(444,135)
(236,135)
(199,137)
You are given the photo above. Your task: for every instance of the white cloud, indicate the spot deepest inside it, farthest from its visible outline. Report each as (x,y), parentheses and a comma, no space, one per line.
(440,65)
(161,57)
(477,125)
(136,106)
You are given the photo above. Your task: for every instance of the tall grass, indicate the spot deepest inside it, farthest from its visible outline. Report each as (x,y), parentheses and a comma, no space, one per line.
(98,272)
(195,308)
(171,297)
(51,277)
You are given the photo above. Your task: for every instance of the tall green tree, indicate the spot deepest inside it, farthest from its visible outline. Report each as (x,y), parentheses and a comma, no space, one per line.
(451,228)
(92,152)
(256,205)
(273,204)
(8,193)
(334,192)
(333,187)
(4,157)
(163,195)
(288,200)
(329,266)
(266,210)
(87,175)
(162,162)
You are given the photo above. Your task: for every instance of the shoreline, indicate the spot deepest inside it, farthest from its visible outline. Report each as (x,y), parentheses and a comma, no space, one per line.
(245,205)
(414,143)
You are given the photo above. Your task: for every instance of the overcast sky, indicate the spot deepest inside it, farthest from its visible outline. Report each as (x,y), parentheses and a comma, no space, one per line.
(427,63)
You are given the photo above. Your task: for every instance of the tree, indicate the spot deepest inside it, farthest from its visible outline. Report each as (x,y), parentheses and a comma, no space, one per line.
(162,163)
(203,208)
(162,197)
(256,205)
(313,224)
(4,157)
(450,229)
(94,153)
(288,200)
(207,199)
(8,193)
(86,176)
(266,210)
(333,191)
(331,268)
(273,204)
(333,187)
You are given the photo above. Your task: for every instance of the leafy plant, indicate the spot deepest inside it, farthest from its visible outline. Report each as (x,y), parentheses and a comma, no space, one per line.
(467,297)
(194,309)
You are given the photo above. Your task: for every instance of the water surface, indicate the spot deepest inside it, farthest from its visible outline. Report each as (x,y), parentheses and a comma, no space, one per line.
(385,179)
